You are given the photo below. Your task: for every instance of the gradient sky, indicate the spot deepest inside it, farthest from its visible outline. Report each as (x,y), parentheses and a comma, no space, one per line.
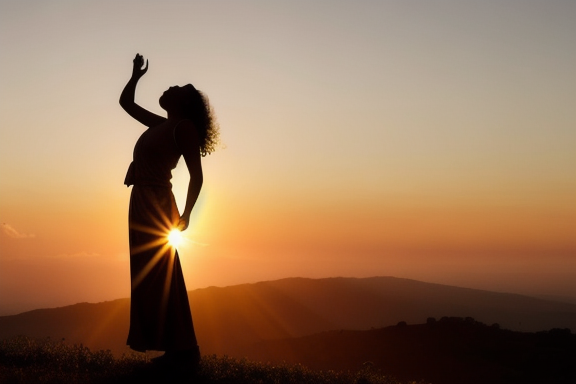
(432,140)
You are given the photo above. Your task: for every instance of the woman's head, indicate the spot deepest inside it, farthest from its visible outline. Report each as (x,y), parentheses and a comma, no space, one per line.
(192,104)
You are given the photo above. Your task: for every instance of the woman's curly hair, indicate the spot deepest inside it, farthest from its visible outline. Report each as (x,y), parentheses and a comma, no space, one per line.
(202,115)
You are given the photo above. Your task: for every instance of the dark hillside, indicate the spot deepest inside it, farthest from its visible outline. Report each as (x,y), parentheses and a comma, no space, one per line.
(98,326)
(452,350)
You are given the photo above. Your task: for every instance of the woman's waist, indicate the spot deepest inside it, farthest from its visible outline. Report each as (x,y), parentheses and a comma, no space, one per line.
(151,183)
(148,177)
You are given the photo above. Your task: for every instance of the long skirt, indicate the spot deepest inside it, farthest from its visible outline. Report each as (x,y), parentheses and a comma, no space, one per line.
(160,317)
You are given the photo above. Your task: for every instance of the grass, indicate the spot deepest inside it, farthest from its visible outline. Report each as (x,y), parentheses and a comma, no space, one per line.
(25,360)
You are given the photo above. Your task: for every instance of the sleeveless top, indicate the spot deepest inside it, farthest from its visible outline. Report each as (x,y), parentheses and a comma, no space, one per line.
(156,154)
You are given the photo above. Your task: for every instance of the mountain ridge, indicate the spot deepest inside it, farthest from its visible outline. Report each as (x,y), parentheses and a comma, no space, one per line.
(228,320)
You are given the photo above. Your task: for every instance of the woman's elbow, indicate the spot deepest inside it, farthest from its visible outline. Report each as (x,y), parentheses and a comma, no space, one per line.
(123,103)
(196,179)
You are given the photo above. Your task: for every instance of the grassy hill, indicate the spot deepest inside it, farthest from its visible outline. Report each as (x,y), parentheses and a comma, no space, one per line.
(451,350)
(24,360)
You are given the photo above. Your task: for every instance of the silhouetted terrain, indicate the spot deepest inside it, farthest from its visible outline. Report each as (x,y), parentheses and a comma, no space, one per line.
(451,350)
(230,320)
(24,360)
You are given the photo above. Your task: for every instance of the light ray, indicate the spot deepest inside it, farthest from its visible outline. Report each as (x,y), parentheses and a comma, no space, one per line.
(160,240)
(157,257)
(164,240)
(168,281)
(151,244)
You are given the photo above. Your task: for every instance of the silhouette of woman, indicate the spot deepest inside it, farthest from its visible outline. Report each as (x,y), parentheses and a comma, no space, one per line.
(160,317)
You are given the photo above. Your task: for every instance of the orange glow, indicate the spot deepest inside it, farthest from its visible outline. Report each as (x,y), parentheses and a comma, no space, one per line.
(458,171)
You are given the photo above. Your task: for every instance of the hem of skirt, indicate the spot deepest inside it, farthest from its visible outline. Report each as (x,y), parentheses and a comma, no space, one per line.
(137,349)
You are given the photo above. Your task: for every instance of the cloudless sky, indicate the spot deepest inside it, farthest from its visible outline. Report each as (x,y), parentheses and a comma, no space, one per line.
(432,140)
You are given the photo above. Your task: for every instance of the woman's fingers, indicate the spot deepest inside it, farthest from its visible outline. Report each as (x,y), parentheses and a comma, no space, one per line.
(138,64)
(182,224)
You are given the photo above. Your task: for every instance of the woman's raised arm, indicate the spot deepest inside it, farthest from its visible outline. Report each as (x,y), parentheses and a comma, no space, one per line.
(144,116)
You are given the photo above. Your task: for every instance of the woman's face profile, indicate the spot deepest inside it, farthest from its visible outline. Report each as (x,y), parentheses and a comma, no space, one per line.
(175,96)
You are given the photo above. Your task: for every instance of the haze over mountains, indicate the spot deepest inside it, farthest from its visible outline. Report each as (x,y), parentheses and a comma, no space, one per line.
(230,320)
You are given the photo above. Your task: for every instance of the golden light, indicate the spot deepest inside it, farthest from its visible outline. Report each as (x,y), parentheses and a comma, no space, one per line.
(175,238)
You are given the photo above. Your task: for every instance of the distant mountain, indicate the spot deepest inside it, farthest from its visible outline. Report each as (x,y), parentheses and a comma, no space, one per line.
(230,320)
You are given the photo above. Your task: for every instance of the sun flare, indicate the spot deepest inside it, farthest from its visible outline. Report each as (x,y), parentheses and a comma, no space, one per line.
(175,238)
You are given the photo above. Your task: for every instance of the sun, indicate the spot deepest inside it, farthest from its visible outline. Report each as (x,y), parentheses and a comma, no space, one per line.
(175,238)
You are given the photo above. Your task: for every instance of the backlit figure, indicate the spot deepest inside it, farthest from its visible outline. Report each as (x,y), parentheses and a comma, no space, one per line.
(160,317)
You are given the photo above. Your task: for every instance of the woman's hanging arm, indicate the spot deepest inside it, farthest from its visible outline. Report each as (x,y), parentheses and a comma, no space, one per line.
(127,97)
(187,139)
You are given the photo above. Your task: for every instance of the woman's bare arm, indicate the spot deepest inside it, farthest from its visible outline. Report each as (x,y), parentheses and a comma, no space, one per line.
(187,140)
(144,116)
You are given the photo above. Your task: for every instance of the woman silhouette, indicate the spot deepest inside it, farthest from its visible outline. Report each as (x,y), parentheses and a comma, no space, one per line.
(160,317)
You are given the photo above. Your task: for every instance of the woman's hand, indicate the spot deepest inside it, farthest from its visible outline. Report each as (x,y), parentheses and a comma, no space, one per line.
(183,223)
(137,70)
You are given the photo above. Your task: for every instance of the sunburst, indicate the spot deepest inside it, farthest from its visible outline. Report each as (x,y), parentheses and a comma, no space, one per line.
(175,238)
(166,238)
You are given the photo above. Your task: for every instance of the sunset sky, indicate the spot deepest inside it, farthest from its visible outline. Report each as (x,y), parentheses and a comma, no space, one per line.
(432,140)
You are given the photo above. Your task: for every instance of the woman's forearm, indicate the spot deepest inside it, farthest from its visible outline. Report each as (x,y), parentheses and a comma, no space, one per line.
(128,93)
(138,70)
(194,188)
(127,98)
